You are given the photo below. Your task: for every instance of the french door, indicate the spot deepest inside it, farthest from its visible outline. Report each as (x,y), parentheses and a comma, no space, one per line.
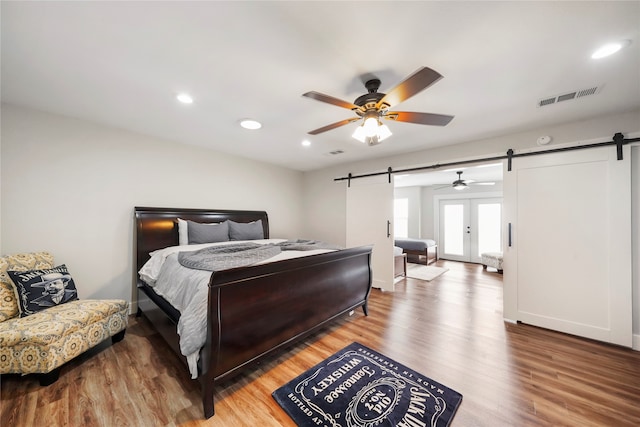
(470,227)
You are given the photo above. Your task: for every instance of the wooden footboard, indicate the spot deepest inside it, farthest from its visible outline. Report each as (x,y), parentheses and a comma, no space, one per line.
(257,310)
(430,254)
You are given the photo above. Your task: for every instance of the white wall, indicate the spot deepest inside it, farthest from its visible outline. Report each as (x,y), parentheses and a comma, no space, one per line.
(70,186)
(324,200)
(427,219)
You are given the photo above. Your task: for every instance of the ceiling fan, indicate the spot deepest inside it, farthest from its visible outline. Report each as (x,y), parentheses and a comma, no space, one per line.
(461,184)
(374,105)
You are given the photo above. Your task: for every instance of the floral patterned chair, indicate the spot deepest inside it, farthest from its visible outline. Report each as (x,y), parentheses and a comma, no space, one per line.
(40,338)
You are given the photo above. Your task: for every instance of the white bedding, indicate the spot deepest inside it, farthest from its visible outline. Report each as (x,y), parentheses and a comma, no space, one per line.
(187,290)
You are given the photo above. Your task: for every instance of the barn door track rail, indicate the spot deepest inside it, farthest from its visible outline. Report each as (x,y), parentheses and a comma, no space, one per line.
(618,140)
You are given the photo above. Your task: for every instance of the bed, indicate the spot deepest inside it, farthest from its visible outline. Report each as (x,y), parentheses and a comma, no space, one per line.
(254,311)
(418,248)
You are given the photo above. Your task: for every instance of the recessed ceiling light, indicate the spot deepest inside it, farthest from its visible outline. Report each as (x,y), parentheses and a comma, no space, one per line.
(250,124)
(185,98)
(610,49)
(306,143)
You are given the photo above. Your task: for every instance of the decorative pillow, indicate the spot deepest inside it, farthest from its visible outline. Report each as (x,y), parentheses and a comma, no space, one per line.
(183,232)
(246,231)
(207,233)
(17,262)
(40,289)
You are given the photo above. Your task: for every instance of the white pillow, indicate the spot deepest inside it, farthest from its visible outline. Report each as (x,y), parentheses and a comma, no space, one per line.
(183,232)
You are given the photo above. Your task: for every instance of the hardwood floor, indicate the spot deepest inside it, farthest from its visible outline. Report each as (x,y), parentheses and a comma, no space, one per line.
(449,329)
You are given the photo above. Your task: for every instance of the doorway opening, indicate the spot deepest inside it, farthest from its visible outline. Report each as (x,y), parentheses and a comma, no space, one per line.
(469,227)
(419,214)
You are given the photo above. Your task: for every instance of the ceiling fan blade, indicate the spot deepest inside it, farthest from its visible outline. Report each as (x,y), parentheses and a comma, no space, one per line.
(484,183)
(330,100)
(417,82)
(419,118)
(443,186)
(333,126)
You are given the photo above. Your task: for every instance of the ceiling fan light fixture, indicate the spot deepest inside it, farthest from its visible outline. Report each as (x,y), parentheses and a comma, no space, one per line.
(371,131)
(370,126)
(359,134)
(460,186)
(383,132)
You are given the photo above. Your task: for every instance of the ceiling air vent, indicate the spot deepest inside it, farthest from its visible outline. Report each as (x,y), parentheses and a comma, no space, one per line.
(566,97)
(569,96)
(587,92)
(334,152)
(547,101)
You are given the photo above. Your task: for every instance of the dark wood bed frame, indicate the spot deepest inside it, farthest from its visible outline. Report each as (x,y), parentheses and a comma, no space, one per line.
(252,311)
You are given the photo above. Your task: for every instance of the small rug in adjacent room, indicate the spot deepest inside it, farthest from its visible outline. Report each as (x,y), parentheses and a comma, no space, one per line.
(425,272)
(358,387)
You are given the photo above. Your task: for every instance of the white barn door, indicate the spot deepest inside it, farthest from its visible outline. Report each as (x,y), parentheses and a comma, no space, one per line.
(567,261)
(369,221)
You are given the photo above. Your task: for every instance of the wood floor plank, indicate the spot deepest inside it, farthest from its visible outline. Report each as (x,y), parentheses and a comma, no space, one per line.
(450,329)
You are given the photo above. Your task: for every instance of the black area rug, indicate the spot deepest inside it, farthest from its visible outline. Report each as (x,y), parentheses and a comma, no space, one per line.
(360,387)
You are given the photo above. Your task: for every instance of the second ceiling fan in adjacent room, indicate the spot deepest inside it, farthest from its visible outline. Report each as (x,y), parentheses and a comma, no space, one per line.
(461,184)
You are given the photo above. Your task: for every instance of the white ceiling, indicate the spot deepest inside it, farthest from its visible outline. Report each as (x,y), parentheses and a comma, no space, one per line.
(122,64)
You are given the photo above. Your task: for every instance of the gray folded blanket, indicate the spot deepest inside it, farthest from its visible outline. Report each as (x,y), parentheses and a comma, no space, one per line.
(305,245)
(219,258)
(229,256)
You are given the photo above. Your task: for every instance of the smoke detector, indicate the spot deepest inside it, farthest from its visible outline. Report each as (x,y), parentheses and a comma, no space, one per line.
(544,140)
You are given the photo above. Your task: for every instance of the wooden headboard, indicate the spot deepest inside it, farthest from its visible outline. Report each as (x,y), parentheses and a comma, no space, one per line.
(157,228)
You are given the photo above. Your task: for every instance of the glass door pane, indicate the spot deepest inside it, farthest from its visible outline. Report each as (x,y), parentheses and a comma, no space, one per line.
(453,229)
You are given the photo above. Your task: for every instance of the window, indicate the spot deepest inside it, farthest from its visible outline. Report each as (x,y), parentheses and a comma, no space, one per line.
(401,217)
